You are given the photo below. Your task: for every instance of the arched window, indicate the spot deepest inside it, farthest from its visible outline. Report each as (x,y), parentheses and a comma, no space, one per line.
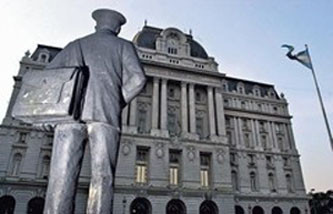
(43,58)
(271,93)
(225,86)
(271,182)
(140,206)
(257,210)
(253,181)
(45,167)
(176,206)
(16,164)
(240,88)
(295,210)
(277,210)
(256,91)
(7,204)
(36,205)
(208,207)
(234,178)
(239,210)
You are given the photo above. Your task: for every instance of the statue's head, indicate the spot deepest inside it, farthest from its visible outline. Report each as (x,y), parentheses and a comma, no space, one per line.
(108,19)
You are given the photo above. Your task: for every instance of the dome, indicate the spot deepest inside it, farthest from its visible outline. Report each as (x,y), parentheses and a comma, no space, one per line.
(148,37)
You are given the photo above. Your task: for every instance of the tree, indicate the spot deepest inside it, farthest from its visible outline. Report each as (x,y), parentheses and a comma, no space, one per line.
(321,202)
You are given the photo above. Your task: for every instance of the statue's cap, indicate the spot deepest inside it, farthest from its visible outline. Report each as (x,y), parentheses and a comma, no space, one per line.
(107,18)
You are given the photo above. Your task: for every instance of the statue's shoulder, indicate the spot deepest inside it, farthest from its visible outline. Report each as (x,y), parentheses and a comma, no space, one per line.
(127,44)
(125,41)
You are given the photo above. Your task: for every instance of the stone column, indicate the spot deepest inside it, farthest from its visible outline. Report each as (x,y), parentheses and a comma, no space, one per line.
(253,133)
(184,109)
(270,135)
(273,135)
(236,128)
(291,137)
(257,132)
(220,113)
(211,112)
(287,143)
(164,109)
(155,106)
(132,114)
(192,112)
(240,133)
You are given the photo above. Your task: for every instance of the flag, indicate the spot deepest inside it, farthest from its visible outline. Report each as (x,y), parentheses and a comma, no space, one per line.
(303,56)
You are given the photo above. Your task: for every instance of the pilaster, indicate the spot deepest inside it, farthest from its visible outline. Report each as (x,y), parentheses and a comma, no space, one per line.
(155,107)
(164,109)
(132,120)
(211,113)
(220,113)
(192,118)
(184,109)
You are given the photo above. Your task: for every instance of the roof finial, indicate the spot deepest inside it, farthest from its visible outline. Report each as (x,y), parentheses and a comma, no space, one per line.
(27,53)
(190,31)
(146,22)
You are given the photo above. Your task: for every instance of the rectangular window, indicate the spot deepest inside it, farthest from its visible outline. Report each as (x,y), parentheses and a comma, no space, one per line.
(172,124)
(142,121)
(233,159)
(247,140)
(228,122)
(262,127)
(23,137)
(246,124)
(264,142)
(269,162)
(251,159)
(199,127)
(205,170)
(174,167)
(172,50)
(229,137)
(141,165)
(279,128)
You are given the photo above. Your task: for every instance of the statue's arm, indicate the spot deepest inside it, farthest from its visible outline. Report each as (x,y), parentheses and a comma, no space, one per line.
(69,56)
(133,76)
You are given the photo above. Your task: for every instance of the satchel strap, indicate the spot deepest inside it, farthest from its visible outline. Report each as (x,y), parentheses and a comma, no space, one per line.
(81,53)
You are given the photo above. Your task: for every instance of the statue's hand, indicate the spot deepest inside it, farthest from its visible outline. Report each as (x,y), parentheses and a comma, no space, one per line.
(44,126)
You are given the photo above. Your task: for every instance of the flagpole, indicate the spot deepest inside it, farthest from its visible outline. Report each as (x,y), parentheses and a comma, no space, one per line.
(320,99)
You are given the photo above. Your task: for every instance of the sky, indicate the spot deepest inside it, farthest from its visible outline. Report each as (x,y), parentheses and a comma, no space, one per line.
(244,37)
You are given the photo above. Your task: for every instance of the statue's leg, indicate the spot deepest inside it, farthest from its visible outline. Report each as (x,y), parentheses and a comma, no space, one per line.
(103,142)
(67,154)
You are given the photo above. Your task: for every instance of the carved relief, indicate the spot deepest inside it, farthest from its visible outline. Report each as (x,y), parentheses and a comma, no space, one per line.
(191,153)
(126,149)
(220,156)
(159,150)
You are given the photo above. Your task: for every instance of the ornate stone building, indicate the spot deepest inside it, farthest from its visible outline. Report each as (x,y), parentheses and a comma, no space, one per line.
(194,141)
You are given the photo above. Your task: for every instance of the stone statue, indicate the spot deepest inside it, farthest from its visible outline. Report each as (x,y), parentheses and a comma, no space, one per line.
(115,78)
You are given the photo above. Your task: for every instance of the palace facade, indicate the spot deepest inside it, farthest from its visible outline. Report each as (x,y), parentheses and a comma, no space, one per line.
(194,141)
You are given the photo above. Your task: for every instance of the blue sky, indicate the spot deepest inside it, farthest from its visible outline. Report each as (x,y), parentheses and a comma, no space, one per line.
(244,36)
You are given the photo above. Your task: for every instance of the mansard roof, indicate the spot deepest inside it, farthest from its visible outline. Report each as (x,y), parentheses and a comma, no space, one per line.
(147,37)
(52,51)
(249,86)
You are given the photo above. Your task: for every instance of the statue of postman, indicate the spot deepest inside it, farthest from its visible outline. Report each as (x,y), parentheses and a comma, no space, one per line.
(115,78)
